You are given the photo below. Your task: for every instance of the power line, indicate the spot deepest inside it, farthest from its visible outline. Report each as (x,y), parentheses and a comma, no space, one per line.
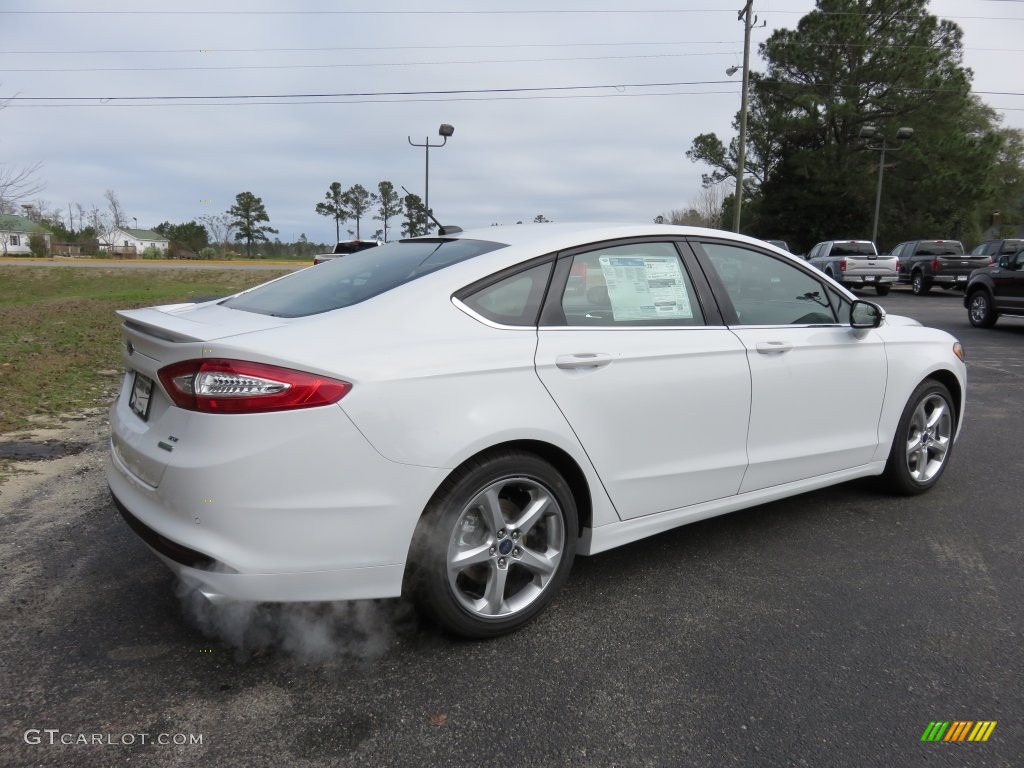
(364,65)
(532,97)
(517,12)
(107,99)
(380,48)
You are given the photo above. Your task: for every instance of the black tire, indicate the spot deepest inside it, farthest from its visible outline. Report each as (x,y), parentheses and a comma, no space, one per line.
(923,441)
(980,311)
(883,290)
(919,284)
(512,571)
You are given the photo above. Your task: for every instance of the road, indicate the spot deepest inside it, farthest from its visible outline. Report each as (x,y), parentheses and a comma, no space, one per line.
(824,630)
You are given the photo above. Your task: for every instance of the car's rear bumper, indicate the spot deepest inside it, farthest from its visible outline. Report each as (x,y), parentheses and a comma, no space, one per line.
(868,280)
(226,518)
(217,580)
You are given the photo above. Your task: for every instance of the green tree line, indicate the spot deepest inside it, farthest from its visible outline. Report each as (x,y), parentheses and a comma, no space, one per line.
(855,63)
(386,205)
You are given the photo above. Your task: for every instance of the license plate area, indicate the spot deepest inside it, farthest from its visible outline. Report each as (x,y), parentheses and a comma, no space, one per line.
(142,396)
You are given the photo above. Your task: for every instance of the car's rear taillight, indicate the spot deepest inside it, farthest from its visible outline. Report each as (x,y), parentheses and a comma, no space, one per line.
(218,385)
(842,265)
(935,265)
(897,265)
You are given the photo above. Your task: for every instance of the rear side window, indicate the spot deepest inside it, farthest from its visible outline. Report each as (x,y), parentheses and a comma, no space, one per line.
(343,282)
(640,284)
(515,300)
(1012,246)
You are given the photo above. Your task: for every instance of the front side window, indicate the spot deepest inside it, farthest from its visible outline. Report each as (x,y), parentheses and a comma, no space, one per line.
(343,282)
(639,284)
(768,291)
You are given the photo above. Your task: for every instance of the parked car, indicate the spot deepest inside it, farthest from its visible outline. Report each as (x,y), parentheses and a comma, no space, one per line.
(996,290)
(779,244)
(457,417)
(996,248)
(344,248)
(855,264)
(924,263)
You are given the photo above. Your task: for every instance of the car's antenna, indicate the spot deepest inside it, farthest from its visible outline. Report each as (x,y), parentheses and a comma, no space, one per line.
(451,229)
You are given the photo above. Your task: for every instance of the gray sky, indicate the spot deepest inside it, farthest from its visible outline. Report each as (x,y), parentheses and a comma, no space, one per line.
(583,155)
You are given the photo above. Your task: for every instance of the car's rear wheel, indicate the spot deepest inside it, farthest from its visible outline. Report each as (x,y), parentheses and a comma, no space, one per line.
(919,285)
(923,440)
(494,545)
(980,310)
(882,290)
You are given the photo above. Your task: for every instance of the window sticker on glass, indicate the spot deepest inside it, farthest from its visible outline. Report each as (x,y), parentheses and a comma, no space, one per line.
(646,287)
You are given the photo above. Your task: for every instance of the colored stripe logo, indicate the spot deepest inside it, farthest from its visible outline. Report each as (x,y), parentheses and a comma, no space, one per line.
(958,730)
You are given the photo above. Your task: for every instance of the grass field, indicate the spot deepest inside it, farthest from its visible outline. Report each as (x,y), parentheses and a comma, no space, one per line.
(59,350)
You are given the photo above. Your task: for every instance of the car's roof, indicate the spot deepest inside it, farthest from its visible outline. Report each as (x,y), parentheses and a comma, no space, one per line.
(551,237)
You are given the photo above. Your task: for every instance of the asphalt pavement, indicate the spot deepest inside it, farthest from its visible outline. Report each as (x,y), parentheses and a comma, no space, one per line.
(824,630)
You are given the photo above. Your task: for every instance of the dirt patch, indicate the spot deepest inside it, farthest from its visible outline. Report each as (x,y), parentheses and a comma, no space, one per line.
(31,458)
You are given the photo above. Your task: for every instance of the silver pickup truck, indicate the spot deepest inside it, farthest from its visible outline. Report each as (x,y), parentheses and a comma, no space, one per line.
(855,264)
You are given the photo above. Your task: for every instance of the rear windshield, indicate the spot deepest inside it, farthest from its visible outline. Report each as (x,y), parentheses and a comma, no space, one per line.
(948,248)
(343,282)
(852,249)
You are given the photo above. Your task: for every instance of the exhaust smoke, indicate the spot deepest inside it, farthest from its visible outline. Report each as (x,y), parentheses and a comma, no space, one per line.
(311,633)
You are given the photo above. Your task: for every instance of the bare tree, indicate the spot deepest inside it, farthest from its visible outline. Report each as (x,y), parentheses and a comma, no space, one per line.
(220,228)
(17,184)
(705,211)
(117,217)
(708,206)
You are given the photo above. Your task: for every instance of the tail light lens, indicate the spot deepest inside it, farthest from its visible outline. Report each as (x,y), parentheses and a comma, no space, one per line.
(897,265)
(217,385)
(842,265)
(935,265)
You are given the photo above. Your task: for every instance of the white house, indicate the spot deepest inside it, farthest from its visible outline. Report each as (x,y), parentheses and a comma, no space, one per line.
(122,238)
(15,232)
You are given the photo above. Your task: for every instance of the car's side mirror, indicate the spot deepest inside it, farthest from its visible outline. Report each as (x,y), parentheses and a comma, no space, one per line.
(1004,262)
(864,314)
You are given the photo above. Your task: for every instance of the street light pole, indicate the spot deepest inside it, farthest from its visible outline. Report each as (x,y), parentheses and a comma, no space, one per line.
(444,132)
(745,17)
(868,132)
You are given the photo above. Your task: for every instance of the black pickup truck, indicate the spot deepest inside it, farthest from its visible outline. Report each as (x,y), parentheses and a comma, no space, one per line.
(924,263)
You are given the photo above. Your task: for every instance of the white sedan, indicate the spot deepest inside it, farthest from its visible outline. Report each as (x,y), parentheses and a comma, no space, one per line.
(456,417)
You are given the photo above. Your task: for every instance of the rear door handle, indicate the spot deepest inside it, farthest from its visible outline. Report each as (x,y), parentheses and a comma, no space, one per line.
(773,347)
(583,360)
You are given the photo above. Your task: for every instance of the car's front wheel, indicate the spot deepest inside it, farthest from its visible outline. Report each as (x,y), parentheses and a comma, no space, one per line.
(923,441)
(494,545)
(980,310)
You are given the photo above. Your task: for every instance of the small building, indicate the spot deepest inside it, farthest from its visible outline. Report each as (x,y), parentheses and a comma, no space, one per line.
(15,232)
(132,242)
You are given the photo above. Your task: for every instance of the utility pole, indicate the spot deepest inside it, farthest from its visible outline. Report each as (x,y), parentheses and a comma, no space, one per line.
(746,17)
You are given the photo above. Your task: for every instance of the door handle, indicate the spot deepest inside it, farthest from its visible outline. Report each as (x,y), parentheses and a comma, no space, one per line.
(773,347)
(583,360)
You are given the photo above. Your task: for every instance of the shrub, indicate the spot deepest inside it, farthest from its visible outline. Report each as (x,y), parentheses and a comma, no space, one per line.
(152,252)
(37,244)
